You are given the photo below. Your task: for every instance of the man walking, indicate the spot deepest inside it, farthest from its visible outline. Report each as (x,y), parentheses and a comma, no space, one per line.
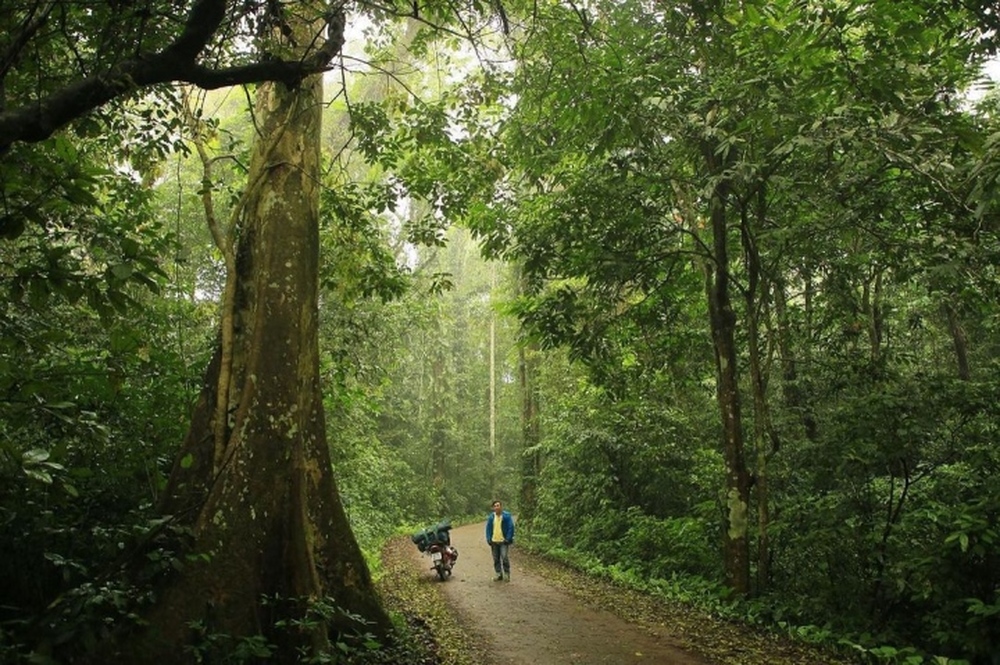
(500,536)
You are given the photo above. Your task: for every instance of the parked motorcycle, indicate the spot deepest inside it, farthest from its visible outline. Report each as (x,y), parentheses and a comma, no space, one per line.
(436,542)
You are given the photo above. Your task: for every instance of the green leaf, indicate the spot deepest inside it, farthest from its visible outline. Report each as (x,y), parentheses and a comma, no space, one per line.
(39,475)
(34,456)
(122,270)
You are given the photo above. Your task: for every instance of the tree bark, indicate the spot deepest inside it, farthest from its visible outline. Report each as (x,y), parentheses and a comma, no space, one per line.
(871,302)
(960,341)
(736,551)
(765,439)
(269,522)
(439,434)
(531,461)
(493,369)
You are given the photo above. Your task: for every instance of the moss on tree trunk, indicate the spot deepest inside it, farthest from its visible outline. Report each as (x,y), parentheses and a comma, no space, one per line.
(267,516)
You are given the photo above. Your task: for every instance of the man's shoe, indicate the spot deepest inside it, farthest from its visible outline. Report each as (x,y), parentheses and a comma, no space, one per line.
(506,577)
(497,578)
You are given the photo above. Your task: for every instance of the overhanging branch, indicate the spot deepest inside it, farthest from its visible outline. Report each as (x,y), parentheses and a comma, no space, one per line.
(38,120)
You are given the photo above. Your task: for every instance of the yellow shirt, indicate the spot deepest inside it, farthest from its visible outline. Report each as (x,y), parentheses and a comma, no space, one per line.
(497,528)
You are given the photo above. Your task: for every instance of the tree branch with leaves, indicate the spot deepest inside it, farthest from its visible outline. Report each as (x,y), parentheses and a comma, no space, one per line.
(201,52)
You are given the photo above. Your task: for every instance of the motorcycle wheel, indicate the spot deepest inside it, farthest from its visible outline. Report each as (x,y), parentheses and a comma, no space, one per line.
(442,571)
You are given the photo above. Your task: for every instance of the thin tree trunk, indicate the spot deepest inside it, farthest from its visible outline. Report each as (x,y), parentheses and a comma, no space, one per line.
(795,395)
(527,371)
(872,304)
(765,440)
(493,369)
(531,461)
(439,413)
(736,552)
(224,239)
(960,341)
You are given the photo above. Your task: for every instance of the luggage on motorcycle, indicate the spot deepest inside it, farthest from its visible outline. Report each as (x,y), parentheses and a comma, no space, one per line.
(442,532)
(432,535)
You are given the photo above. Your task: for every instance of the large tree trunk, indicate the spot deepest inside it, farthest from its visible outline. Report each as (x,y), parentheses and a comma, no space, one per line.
(265,513)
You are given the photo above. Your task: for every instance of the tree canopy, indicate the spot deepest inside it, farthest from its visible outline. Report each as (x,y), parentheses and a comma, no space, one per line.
(704,291)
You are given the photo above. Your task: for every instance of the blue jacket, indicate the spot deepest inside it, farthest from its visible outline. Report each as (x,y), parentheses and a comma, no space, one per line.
(506,525)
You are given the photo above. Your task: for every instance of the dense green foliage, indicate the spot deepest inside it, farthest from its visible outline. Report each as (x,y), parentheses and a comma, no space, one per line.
(89,360)
(860,240)
(859,187)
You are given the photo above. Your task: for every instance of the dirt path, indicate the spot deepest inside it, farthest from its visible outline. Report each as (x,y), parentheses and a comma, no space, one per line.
(528,621)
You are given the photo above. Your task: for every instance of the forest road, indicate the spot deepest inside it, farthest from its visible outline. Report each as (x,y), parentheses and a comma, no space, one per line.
(528,621)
